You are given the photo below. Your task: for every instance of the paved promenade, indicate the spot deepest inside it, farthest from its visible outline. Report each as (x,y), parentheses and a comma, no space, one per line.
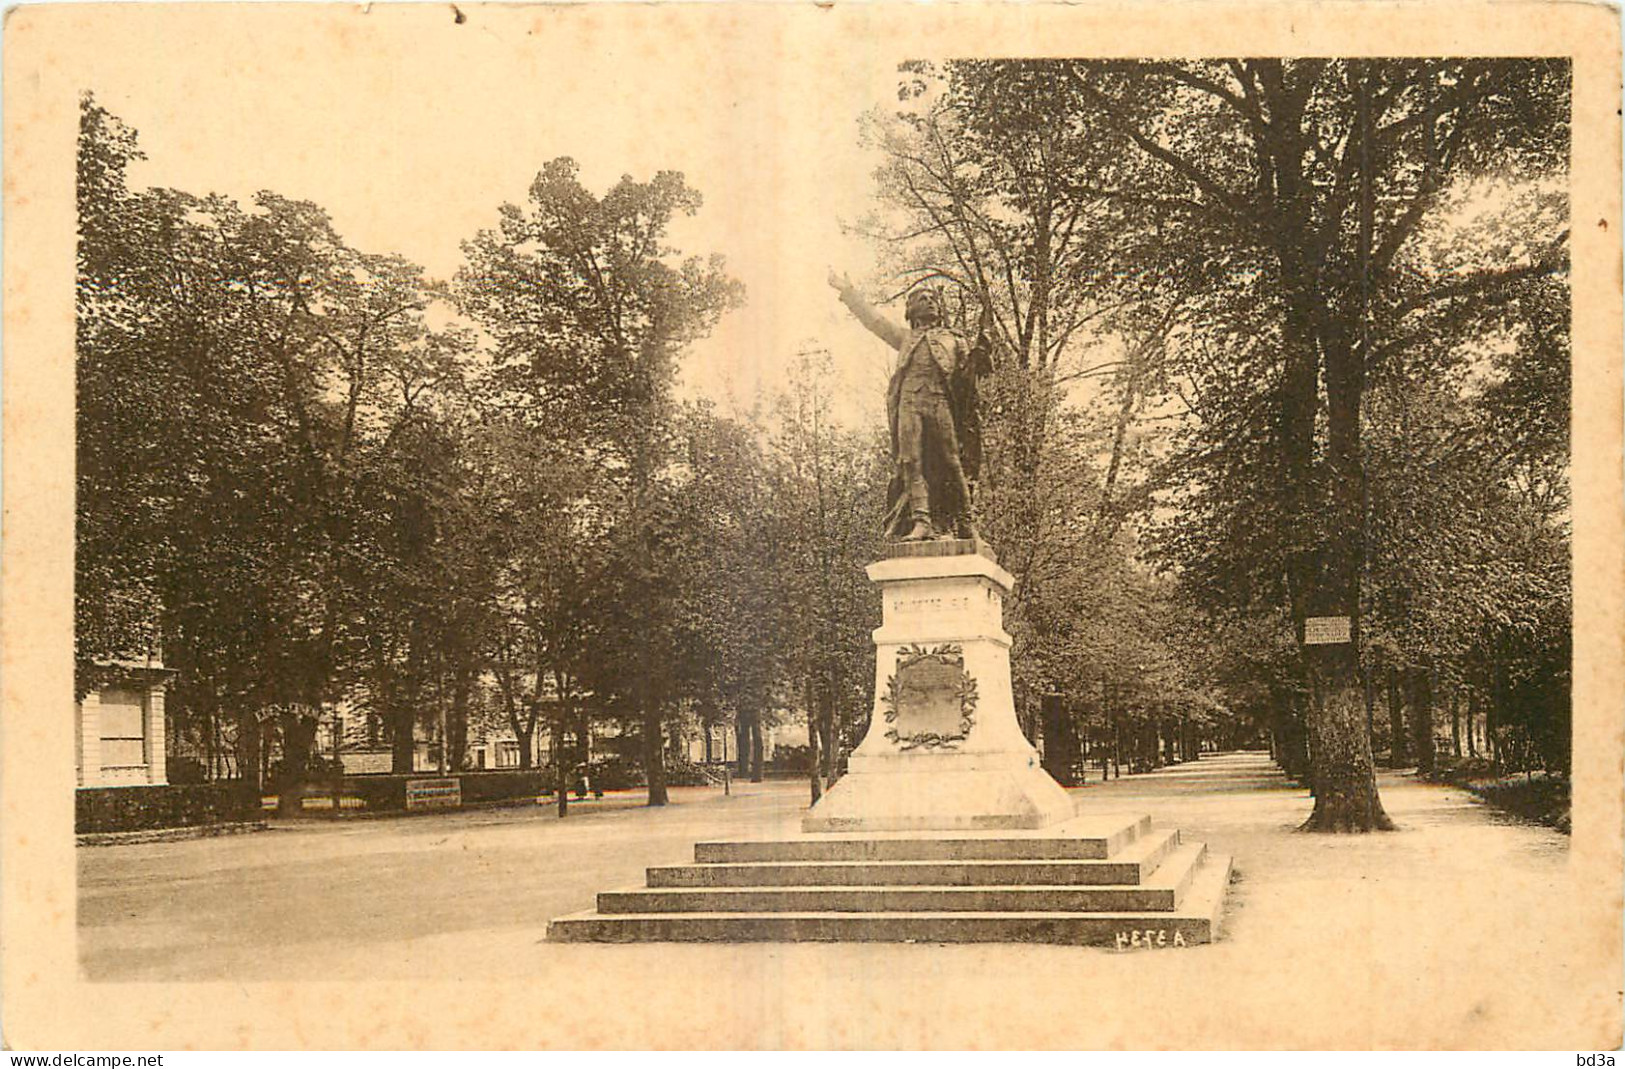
(1454,930)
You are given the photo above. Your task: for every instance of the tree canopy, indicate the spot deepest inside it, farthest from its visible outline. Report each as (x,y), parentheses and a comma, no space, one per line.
(1274,340)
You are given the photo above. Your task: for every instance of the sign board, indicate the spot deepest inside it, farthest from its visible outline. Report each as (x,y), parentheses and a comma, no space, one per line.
(434,793)
(1325,630)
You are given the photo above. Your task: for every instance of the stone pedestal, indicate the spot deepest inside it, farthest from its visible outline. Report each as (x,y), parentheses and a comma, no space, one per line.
(944,751)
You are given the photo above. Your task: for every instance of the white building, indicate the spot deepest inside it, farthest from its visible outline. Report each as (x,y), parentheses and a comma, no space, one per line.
(119,727)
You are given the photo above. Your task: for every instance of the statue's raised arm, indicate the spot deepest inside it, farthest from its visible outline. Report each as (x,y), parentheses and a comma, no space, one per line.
(931,413)
(884,329)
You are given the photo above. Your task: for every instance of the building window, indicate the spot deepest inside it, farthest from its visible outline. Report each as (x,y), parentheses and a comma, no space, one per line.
(507,755)
(124,728)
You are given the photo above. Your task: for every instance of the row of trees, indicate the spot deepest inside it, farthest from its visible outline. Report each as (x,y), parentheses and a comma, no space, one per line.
(324,480)
(1295,334)
(1274,340)
(320,478)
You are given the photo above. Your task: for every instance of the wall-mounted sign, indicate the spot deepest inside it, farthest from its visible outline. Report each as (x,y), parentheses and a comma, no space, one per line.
(434,793)
(1325,630)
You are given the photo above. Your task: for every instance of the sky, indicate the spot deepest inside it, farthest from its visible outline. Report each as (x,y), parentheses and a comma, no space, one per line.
(411,130)
(411,134)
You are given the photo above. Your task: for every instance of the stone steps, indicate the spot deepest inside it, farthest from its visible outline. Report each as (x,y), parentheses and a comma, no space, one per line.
(1129,866)
(1097,881)
(1161,892)
(1082,838)
(1195,922)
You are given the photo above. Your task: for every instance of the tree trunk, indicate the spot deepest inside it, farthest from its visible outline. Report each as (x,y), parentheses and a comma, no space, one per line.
(247,748)
(457,724)
(1343,778)
(815,778)
(742,723)
(1060,745)
(526,734)
(1493,717)
(1422,718)
(1323,499)
(826,733)
(561,776)
(1369,683)
(1117,750)
(1288,737)
(1398,751)
(403,741)
(561,759)
(1472,707)
(756,748)
(298,732)
(1455,722)
(654,754)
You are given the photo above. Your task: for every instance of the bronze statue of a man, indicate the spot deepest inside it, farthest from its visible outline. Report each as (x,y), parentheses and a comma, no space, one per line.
(936,436)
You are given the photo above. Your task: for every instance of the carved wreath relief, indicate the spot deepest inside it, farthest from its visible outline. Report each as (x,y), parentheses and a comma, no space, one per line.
(929,702)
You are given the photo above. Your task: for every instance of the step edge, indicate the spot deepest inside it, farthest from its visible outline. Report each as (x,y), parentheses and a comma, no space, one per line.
(1118,859)
(1075,915)
(1163,899)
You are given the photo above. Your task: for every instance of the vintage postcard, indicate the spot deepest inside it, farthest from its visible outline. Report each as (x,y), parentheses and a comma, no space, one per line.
(812,525)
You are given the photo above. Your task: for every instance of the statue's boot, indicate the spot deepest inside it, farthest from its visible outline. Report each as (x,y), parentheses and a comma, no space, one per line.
(921,531)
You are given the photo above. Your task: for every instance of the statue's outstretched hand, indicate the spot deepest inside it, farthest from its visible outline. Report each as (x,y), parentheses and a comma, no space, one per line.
(839,282)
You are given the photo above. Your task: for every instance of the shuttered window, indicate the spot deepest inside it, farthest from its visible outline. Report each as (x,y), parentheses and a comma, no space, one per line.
(124,724)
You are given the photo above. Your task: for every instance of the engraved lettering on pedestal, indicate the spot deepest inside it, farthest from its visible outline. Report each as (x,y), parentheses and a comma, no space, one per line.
(929,702)
(912,606)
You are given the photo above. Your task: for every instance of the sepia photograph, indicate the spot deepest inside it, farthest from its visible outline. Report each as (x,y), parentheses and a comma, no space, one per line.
(813,527)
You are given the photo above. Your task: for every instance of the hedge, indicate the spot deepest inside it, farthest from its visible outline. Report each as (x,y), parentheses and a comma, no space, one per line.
(376,792)
(498,786)
(386,792)
(112,809)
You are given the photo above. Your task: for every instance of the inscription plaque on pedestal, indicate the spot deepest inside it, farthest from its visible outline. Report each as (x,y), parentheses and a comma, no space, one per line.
(931,702)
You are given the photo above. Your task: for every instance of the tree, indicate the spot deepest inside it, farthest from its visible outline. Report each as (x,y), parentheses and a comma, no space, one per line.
(992,184)
(589,310)
(1321,174)
(996,182)
(735,605)
(245,376)
(116,605)
(828,483)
